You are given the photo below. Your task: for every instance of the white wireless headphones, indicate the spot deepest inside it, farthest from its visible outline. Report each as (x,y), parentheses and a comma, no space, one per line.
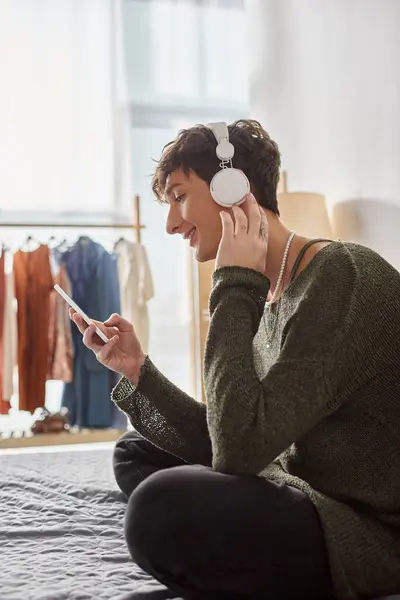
(229,186)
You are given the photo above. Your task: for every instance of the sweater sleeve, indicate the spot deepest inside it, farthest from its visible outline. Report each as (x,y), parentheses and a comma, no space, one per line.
(252,421)
(165,415)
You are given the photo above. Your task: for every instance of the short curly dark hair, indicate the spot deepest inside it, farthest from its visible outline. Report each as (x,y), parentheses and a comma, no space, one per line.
(256,154)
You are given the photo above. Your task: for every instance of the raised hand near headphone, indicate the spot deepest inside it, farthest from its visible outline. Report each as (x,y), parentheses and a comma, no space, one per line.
(244,241)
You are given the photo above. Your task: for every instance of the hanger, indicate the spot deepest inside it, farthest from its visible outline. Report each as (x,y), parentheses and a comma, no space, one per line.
(63,245)
(54,240)
(4,248)
(84,240)
(121,239)
(30,244)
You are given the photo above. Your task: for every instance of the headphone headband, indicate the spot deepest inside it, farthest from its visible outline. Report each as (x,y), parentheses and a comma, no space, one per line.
(224,150)
(220,130)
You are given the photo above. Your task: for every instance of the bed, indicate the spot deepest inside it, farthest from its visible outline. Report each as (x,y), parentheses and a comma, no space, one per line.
(61,529)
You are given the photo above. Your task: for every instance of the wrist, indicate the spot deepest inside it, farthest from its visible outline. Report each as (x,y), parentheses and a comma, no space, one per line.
(133,374)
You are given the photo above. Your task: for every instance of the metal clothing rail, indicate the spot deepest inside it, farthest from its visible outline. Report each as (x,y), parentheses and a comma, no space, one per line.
(136,225)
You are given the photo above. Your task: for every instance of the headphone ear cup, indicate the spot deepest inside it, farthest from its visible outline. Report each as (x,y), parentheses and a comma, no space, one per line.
(228,187)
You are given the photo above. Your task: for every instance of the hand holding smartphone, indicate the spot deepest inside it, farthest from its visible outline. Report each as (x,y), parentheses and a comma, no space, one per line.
(84,316)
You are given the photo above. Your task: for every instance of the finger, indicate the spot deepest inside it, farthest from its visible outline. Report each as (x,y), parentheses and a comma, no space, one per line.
(227,224)
(264,226)
(117,321)
(79,322)
(254,216)
(241,222)
(104,353)
(92,340)
(106,330)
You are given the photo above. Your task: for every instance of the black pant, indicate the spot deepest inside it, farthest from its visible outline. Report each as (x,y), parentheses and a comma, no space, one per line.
(206,535)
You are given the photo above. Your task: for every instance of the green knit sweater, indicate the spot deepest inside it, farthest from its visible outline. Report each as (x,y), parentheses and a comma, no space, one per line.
(316,407)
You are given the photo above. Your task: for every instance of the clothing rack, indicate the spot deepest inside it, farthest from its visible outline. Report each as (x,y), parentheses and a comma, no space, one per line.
(136,225)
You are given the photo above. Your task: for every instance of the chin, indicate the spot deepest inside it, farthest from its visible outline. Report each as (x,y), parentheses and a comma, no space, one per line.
(204,256)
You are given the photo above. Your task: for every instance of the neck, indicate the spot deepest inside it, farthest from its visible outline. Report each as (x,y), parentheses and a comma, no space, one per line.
(277,240)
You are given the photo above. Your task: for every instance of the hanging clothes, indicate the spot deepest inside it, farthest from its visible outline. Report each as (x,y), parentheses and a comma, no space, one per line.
(136,287)
(2,302)
(33,284)
(61,351)
(4,405)
(9,344)
(93,274)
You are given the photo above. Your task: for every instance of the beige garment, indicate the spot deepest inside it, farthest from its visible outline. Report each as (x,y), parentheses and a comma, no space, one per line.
(136,287)
(61,351)
(9,337)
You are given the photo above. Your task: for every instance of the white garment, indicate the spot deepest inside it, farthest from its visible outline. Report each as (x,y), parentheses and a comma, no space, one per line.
(9,337)
(136,287)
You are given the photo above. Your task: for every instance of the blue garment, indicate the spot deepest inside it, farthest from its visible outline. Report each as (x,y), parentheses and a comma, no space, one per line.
(93,275)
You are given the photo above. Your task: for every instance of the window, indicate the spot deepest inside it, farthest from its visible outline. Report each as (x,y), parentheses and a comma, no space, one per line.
(56,139)
(186,64)
(187,55)
(74,77)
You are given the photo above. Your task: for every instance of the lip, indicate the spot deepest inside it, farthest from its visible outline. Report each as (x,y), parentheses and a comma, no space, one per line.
(193,238)
(187,234)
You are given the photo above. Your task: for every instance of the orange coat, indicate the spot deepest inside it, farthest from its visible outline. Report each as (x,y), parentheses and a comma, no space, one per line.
(33,285)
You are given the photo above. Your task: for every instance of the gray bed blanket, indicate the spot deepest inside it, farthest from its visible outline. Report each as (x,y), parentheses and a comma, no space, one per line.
(61,530)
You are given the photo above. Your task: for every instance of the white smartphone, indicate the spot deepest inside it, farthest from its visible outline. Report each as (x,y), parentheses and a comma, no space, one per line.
(84,316)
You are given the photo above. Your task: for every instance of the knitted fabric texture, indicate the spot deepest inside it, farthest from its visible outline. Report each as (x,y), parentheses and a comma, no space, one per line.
(319,409)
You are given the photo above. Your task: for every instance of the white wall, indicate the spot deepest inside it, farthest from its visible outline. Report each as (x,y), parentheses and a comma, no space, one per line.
(325,82)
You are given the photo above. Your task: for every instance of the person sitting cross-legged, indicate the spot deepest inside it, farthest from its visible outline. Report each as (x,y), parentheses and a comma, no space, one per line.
(285,484)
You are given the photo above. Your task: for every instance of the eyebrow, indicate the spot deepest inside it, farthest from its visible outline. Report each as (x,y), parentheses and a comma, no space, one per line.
(170,188)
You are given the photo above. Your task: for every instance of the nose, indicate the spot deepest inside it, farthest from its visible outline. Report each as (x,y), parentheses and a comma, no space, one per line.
(174,220)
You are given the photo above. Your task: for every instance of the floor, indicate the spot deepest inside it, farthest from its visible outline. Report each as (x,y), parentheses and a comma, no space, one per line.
(61,448)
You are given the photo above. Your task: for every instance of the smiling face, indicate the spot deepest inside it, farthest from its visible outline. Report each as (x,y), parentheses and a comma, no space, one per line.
(187,166)
(193,213)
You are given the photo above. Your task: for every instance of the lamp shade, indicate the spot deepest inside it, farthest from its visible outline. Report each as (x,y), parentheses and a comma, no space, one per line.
(306,213)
